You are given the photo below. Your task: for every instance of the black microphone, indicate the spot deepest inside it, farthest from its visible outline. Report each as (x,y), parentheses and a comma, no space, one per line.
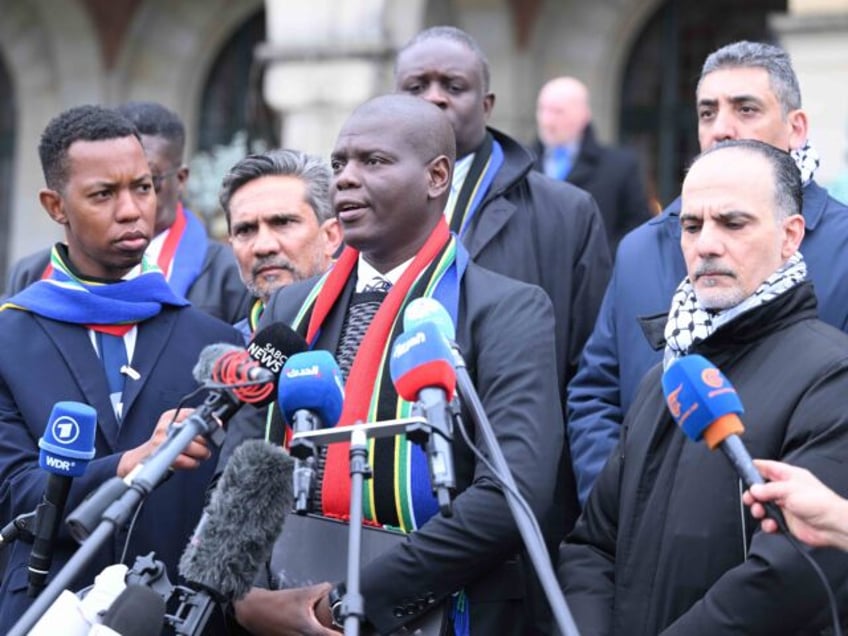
(235,537)
(138,611)
(66,448)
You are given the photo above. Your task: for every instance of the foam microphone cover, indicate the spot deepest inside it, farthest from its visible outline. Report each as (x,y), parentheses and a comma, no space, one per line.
(243,518)
(138,611)
(429,310)
(209,356)
(420,359)
(272,346)
(311,381)
(698,394)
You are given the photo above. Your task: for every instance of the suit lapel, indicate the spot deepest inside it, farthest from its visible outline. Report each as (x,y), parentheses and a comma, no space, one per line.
(489,221)
(75,347)
(153,335)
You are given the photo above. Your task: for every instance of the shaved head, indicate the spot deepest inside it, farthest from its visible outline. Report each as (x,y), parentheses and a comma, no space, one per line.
(424,126)
(562,111)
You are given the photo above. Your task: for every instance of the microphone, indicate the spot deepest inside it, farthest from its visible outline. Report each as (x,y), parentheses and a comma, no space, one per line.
(310,396)
(244,516)
(138,611)
(422,371)
(66,448)
(705,405)
(258,367)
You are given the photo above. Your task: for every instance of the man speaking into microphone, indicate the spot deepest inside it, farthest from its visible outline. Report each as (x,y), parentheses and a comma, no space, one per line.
(104,330)
(392,167)
(665,545)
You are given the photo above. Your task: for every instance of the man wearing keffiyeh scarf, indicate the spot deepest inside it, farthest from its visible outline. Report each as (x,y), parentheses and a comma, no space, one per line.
(664,544)
(747,90)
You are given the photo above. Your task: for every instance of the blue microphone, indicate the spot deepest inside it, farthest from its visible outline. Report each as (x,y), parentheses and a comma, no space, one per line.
(430,310)
(421,367)
(66,448)
(310,396)
(706,406)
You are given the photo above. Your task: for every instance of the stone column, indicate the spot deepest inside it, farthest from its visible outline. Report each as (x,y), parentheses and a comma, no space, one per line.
(325,57)
(815,34)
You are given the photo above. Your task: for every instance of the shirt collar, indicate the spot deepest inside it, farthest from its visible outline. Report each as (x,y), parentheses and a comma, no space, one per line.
(365,273)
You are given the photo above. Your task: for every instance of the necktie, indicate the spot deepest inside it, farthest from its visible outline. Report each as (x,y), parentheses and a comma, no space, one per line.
(113,356)
(558,162)
(377,284)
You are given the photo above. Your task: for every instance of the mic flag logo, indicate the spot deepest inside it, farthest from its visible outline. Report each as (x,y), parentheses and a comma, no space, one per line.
(65,429)
(68,441)
(697,394)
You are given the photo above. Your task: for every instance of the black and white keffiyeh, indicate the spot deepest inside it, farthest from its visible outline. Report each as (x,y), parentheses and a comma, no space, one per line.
(807,160)
(689,323)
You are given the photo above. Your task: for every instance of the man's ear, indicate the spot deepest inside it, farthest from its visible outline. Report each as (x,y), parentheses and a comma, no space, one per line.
(439,174)
(54,205)
(797,120)
(332,231)
(793,228)
(488,105)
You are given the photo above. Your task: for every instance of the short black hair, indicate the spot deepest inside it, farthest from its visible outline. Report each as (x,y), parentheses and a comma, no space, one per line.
(788,190)
(453,34)
(155,120)
(81,123)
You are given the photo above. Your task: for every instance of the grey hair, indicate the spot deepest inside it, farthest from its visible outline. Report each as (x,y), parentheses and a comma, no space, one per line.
(312,170)
(774,60)
(453,34)
(788,190)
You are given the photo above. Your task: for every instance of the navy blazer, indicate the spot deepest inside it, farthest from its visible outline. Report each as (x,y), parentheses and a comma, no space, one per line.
(43,361)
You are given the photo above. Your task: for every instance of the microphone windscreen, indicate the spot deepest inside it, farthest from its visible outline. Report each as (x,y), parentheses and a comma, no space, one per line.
(430,310)
(68,441)
(698,394)
(275,344)
(420,359)
(209,356)
(312,381)
(138,611)
(242,519)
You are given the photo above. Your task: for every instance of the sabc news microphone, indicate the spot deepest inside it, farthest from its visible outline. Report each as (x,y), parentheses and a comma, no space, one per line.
(705,405)
(422,371)
(66,448)
(310,396)
(244,516)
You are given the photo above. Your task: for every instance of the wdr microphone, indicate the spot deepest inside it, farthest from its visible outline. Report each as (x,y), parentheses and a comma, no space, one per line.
(706,406)
(244,516)
(310,396)
(66,448)
(422,371)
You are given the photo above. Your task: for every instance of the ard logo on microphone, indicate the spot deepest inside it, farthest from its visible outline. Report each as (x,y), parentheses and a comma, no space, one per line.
(65,430)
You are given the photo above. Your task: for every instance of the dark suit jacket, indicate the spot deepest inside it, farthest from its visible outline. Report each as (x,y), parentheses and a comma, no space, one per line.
(614,178)
(505,331)
(43,361)
(217,291)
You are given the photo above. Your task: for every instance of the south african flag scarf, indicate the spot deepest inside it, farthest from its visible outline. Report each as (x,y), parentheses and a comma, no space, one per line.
(399,494)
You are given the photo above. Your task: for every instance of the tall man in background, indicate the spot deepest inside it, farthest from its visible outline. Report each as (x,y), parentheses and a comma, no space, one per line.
(567,149)
(197,267)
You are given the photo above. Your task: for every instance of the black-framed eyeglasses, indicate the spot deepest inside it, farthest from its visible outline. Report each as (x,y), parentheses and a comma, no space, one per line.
(159,179)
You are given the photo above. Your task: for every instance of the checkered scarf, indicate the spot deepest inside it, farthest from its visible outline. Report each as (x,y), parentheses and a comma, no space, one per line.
(807,160)
(689,323)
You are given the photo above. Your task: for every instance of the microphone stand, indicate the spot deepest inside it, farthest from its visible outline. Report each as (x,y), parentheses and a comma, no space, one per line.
(418,431)
(536,548)
(207,420)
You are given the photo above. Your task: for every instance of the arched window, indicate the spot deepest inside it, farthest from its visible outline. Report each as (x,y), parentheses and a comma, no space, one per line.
(658,90)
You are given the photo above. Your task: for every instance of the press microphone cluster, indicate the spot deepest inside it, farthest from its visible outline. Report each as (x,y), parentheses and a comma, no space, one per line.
(310,396)
(422,372)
